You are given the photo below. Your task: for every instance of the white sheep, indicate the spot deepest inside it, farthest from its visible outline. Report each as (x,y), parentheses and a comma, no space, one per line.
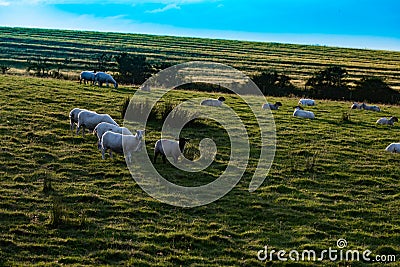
(299,112)
(103,127)
(306,102)
(169,148)
(86,76)
(373,108)
(89,120)
(114,143)
(213,102)
(102,77)
(355,106)
(272,106)
(393,147)
(386,121)
(73,116)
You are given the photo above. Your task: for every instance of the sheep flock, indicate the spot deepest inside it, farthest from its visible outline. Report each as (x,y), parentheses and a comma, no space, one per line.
(109,133)
(301,113)
(110,136)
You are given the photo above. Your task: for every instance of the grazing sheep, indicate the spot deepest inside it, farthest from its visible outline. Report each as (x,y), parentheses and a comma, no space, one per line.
(73,116)
(113,142)
(306,102)
(169,148)
(102,77)
(86,76)
(272,106)
(373,108)
(299,112)
(386,121)
(213,102)
(355,106)
(103,127)
(89,120)
(393,147)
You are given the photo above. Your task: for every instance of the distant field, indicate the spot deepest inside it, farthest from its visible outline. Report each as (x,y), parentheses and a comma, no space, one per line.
(330,180)
(298,61)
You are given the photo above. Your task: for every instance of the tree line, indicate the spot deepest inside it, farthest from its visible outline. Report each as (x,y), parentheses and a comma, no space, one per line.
(127,68)
(327,83)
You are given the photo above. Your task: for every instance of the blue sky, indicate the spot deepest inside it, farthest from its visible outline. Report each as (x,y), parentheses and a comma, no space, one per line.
(344,23)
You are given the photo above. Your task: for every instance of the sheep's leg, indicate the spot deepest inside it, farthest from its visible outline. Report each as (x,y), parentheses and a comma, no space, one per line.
(83,130)
(138,147)
(71,125)
(103,152)
(107,84)
(99,145)
(155,156)
(164,159)
(78,129)
(111,154)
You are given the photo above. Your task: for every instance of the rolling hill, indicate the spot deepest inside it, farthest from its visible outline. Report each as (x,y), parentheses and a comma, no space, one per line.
(17,45)
(61,204)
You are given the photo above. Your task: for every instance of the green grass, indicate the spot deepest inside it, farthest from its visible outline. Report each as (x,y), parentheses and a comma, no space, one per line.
(297,61)
(330,180)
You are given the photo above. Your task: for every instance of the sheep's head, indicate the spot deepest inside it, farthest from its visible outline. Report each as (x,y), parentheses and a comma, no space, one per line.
(279,104)
(221,98)
(298,107)
(394,119)
(139,134)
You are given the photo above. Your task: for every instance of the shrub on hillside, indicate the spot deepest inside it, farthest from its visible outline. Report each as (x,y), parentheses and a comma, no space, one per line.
(328,83)
(132,69)
(204,87)
(375,89)
(274,84)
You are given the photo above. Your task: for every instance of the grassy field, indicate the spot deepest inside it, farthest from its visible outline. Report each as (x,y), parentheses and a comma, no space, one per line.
(297,61)
(330,180)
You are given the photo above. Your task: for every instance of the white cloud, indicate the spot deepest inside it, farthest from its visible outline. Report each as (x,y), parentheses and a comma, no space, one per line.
(4,3)
(52,18)
(166,8)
